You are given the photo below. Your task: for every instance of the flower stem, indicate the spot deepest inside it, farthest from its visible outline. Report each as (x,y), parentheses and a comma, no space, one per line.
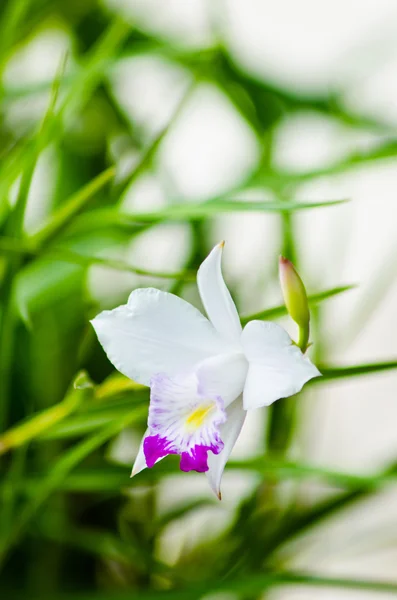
(303,340)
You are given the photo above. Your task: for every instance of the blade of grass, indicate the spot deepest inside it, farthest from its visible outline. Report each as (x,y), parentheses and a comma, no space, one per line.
(281,417)
(13,483)
(299,523)
(11,246)
(117,265)
(96,414)
(70,208)
(15,229)
(12,17)
(377,290)
(380,151)
(116,477)
(80,425)
(204,64)
(332,373)
(95,66)
(154,145)
(81,85)
(57,474)
(35,426)
(187,210)
(101,543)
(190,211)
(254,584)
(280,311)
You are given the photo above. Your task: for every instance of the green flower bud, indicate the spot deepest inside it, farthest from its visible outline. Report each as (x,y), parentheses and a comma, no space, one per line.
(295,299)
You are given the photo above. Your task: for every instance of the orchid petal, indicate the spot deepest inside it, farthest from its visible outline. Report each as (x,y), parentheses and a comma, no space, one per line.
(229,432)
(183,419)
(216,298)
(140,461)
(277,367)
(156,332)
(223,375)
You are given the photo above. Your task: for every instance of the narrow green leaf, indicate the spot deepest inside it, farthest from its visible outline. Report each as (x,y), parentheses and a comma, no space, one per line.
(63,254)
(97,542)
(380,151)
(15,229)
(38,424)
(314,516)
(56,475)
(154,145)
(252,585)
(11,19)
(190,211)
(116,477)
(279,311)
(70,208)
(184,509)
(94,68)
(80,425)
(330,373)
(96,415)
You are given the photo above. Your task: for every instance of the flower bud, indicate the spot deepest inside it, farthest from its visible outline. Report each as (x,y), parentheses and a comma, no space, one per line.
(295,297)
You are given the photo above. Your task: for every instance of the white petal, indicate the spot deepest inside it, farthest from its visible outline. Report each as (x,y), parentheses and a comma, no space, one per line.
(216,298)
(173,421)
(229,433)
(277,368)
(156,332)
(140,461)
(223,376)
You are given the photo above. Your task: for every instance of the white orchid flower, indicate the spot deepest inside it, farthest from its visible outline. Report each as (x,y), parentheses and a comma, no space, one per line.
(204,374)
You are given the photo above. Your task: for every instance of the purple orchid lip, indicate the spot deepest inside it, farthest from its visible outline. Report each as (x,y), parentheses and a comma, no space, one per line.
(196,459)
(184,421)
(155,448)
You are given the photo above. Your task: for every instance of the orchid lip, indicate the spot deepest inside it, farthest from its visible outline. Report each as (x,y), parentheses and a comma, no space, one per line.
(183,421)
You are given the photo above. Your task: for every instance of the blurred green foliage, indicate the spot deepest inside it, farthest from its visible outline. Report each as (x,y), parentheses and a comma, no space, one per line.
(71,520)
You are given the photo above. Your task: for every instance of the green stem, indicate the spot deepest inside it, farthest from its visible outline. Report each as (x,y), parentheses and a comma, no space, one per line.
(56,476)
(21,434)
(303,340)
(8,317)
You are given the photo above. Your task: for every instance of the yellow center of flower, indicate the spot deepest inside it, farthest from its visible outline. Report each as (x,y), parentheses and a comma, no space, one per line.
(197,417)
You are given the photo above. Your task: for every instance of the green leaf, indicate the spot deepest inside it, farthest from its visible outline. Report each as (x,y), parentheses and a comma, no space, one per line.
(330,373)
(280,311)
(69,209)
(101,543)
(117,477)
(63,254)
(14,229)
(35,426)
(150,151)
(380,151)
(253,585)
(191,211)
(56,475)
(94,67)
